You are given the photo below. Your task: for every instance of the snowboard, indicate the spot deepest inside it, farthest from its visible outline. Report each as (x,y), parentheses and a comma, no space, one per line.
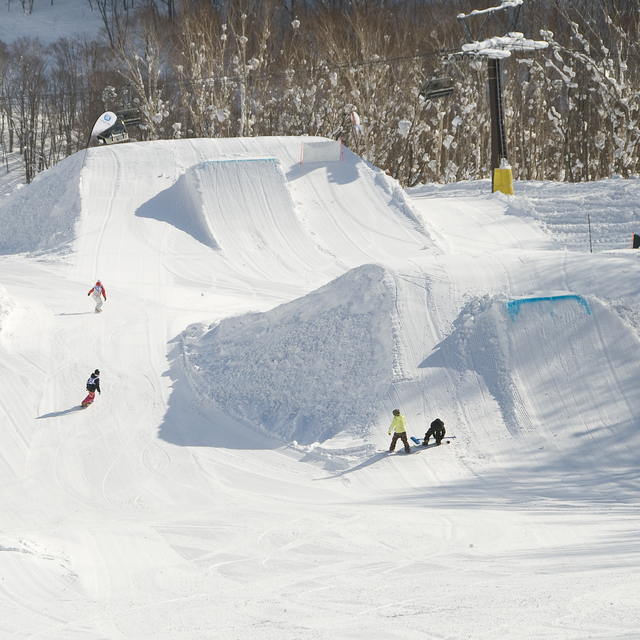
(446,439)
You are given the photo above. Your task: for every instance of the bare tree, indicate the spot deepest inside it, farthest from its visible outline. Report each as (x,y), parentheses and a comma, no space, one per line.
(142,65)
(115,17)
(292,67)
(23,94)
(206,91)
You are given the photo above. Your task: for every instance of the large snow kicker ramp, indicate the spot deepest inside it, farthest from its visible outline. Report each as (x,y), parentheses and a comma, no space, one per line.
(558,340)
(530,366)
(249,211)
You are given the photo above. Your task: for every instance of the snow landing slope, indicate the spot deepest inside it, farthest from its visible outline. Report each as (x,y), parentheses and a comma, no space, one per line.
(261,314)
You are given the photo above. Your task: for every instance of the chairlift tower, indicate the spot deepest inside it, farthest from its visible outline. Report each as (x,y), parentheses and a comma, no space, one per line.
(494,49)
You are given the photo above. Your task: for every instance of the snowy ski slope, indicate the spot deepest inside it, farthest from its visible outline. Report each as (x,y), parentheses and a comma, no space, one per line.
(262,320)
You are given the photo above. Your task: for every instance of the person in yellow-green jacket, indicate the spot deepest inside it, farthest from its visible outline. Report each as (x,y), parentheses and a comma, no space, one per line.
(399,427)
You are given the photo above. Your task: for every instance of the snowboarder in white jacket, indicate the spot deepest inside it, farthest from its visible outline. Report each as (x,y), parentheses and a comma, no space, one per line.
(97,292)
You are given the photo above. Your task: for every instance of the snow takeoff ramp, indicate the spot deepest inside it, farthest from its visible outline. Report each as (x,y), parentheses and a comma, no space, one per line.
(531,366)
(249,212)
(558,340)
(309,369)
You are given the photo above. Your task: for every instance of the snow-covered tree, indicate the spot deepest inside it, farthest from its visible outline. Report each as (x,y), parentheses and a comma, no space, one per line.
(142,64)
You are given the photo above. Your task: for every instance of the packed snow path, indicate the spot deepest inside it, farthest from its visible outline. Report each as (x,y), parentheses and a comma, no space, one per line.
(169,509)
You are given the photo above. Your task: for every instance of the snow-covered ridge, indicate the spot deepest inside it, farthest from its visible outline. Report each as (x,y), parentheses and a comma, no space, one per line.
(42,216)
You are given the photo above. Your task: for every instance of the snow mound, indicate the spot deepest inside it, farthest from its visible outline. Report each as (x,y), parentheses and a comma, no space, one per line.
(42,215)
(530,362)
(306,370)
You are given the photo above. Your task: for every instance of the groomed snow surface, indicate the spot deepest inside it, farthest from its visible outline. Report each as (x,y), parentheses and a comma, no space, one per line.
(263,319)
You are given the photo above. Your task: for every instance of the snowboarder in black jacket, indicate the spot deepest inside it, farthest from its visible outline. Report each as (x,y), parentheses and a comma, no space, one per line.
(436,430)
(93,385)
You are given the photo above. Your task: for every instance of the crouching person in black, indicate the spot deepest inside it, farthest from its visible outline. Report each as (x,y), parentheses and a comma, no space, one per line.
(436,430)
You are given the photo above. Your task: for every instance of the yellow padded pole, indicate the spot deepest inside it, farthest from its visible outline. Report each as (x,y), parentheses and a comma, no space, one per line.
(503,180)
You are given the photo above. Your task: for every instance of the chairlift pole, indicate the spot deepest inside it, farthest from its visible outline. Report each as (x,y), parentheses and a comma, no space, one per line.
(501,174)
(493,49)
(498,138)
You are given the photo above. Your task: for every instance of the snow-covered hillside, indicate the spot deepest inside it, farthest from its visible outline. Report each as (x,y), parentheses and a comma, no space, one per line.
(49,20)
(263,318)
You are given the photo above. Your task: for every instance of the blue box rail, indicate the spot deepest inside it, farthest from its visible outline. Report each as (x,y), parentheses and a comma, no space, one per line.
(513,306)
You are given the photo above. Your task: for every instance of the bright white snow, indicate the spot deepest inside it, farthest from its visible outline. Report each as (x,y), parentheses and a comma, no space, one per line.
(263,318)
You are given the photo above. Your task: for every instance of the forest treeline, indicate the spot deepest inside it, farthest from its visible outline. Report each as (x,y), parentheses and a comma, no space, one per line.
(229,68)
